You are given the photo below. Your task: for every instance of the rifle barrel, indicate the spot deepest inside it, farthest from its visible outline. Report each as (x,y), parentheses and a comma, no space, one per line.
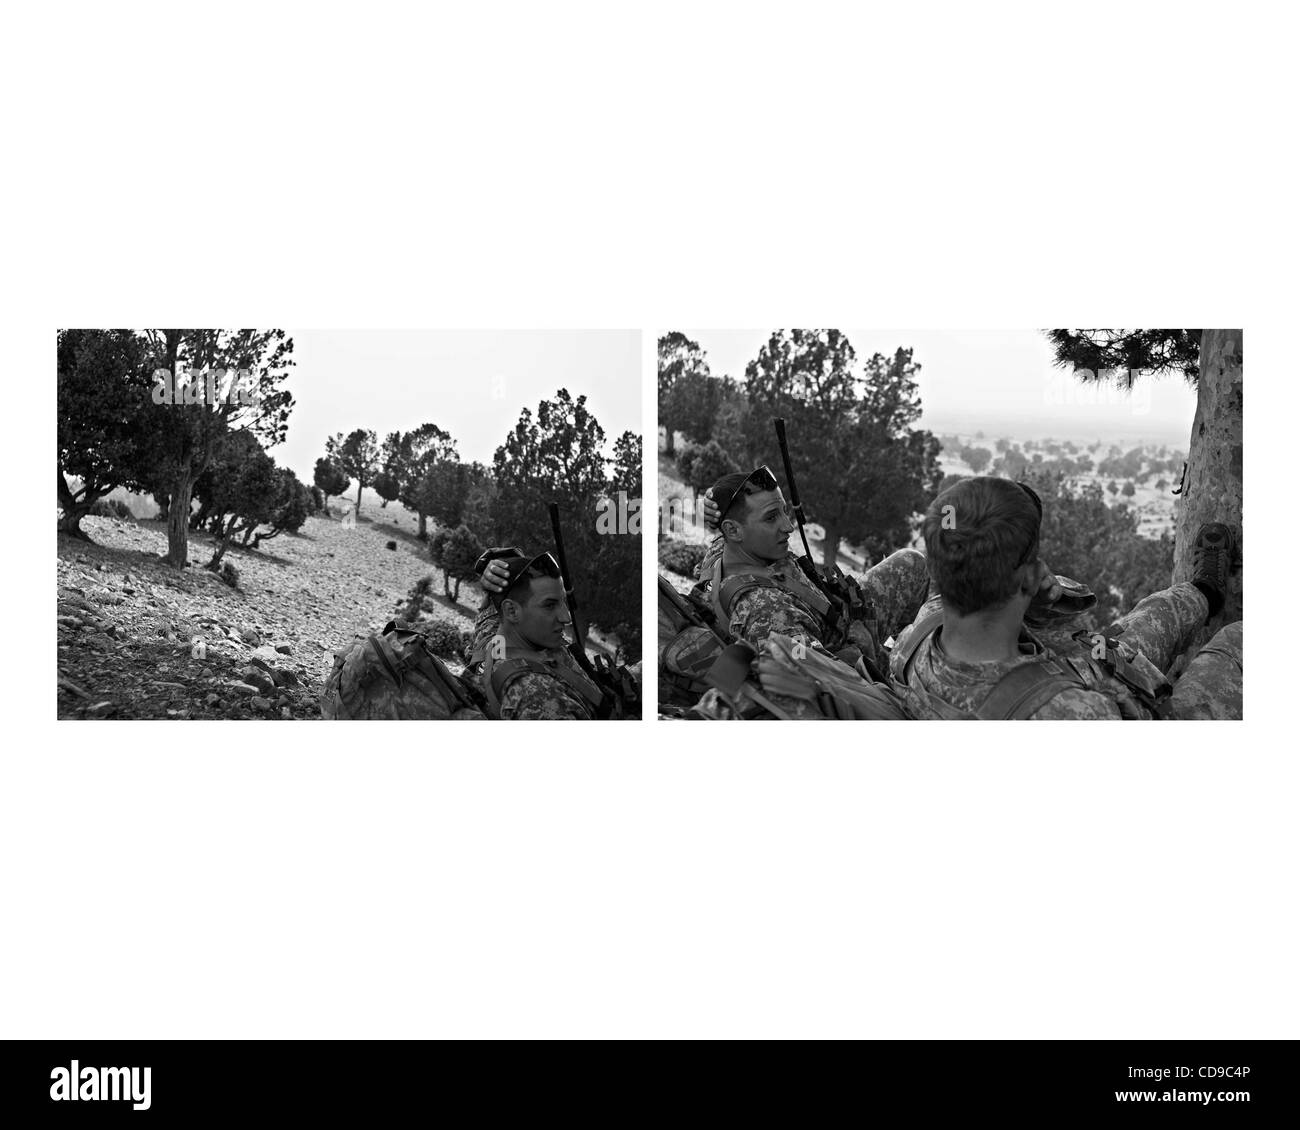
(579,651)
(795,505)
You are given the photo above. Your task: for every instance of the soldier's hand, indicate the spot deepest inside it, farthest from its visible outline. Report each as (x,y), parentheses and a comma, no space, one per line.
(1049,589)
(495,575)
(712,513)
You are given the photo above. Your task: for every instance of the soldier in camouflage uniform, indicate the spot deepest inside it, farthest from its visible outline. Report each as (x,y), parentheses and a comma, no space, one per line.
(527,673)
(970,639)
(754,526)
(758,588)
(492,572)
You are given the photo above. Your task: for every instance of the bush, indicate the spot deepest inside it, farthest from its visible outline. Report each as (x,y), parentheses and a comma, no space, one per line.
(447,641)
(682,557)
(419,600)
(112,508)
(230,574)
(702,465)
(455,552)
(629,637)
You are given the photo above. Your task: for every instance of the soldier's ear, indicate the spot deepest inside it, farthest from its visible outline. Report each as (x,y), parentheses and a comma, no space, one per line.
(510,611)
(732,530)
(1027,578)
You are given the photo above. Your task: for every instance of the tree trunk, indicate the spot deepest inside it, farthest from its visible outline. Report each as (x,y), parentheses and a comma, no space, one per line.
(163,499)
(1213,487)
(668,442)
(358,497)
(223,535)
(73,510)
(178,515)
(423,531)
(456,590)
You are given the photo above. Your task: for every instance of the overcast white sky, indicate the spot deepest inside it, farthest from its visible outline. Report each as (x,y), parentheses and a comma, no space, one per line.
(993,379)
(471,383)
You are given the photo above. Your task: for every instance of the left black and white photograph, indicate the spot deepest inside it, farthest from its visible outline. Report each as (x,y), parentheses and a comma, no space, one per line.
(349,524)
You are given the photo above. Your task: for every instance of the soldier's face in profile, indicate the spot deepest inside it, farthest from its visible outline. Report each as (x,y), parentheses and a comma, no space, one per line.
(765,525)
(543,616)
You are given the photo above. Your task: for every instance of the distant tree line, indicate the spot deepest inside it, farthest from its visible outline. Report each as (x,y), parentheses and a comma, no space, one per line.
(556,455)
(863,469)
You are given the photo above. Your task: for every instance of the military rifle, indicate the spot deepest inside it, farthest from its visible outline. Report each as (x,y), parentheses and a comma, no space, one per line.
(615,682)
(844,593)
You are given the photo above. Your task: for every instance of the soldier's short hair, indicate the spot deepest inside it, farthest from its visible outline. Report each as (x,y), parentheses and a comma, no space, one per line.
(977,533)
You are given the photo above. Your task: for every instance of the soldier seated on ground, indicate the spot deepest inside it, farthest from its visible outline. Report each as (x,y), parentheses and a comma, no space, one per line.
(527,673)
(969,653)
(757,587)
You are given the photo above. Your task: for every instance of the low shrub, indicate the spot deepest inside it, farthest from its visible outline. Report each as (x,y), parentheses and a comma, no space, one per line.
(112,508)
(679,556)
(447,641)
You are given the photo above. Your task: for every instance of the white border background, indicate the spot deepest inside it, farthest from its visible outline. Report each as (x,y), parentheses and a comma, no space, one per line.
(578,165)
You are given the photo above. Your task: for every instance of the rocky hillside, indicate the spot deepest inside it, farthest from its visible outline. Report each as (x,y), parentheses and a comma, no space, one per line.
(137,639)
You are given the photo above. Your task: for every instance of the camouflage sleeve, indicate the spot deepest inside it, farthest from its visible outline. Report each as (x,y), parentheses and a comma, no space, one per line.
(537,696)
(758,613)
(486,625)
(711,554)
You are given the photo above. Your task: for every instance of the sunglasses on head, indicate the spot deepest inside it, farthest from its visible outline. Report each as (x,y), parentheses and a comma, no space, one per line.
(546,563)
(760,477)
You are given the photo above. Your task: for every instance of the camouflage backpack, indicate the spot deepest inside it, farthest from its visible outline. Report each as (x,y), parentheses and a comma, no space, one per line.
(744,681)
(689,644)
(395,675)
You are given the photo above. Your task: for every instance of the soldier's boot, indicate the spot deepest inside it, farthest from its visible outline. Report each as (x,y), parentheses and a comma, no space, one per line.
(1212,563)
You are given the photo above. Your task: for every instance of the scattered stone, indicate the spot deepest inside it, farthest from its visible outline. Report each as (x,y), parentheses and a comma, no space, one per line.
(285,712)
(286,678)
(392,545)
(250,637)
(257,702)
(243,688)
(283,700)
(258,678)
(284,649)
(213,699)
(70,622)
(99,710)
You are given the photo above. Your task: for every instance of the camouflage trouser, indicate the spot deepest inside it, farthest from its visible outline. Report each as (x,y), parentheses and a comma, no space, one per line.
(897,587)
(1211,685)
(1163,625)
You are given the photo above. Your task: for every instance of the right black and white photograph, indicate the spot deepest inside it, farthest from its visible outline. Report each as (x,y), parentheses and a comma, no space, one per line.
(920,524)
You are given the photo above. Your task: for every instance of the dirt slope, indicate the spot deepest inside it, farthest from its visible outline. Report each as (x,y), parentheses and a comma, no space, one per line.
(127,623)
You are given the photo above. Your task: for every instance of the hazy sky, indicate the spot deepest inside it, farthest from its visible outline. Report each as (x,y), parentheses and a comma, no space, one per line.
(991,379)
(470,383)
